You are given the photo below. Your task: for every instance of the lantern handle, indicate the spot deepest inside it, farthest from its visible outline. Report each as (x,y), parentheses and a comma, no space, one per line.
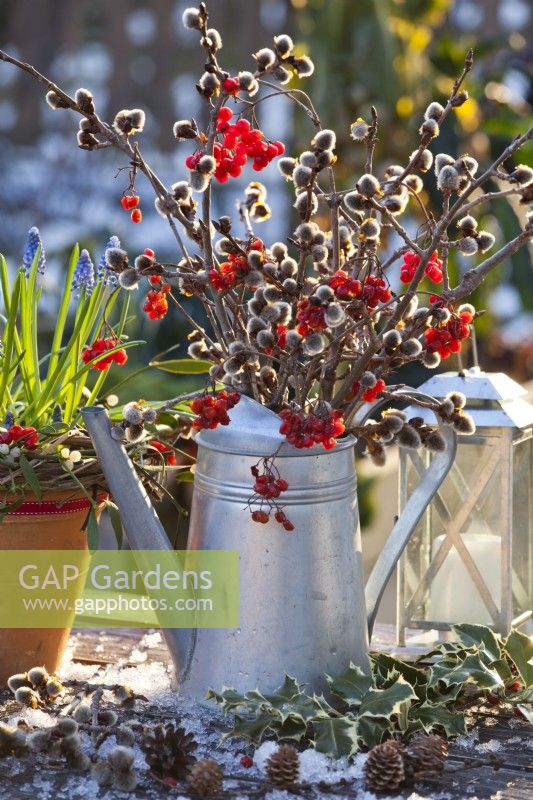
(414,509)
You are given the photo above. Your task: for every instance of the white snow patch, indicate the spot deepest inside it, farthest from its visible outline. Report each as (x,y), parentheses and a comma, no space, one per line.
(263,753)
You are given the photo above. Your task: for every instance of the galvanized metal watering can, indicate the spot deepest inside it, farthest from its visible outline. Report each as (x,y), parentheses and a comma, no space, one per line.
(302,596)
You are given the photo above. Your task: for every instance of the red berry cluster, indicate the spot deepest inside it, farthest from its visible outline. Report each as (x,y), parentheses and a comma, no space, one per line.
(239,143)
(375,291)
(268,486)
(130,202)
(411,262)
(25,437)
(306,431)
(100,346)
(212,409)
(281,336)
(233,271)
(446,338)
(166,451)
(310,317)
(156,303)
(345,288)
(370,394)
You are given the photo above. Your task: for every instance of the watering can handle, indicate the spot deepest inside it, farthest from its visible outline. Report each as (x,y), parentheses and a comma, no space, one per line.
(413,510)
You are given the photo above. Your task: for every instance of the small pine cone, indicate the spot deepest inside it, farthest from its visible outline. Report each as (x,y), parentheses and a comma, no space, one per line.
(425,755)
(384,767)
(205,778)
(283,767)
(169,751)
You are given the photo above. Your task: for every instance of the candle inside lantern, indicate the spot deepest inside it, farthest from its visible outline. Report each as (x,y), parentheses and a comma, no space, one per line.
(454,596)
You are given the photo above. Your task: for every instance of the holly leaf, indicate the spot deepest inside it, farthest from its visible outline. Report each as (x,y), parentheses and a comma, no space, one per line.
(251,729)
(289,691)
(351,686)
(471,670)
(386,702)
(478,636)
(228,699)
(293,727)
(438,718)
(389,666)
(371,731)
(336,737)
(519,648)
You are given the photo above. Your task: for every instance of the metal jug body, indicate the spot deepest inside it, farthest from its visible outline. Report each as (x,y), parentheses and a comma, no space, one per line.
(302,605)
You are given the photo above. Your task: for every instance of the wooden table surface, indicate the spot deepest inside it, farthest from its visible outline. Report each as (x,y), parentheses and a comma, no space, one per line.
(500,768)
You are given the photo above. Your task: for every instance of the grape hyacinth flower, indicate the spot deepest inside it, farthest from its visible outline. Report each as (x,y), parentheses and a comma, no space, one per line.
(33,242)
(105,275)
(84,273)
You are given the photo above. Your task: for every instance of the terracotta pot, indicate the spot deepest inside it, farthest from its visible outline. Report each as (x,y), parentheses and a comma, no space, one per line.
(53,524)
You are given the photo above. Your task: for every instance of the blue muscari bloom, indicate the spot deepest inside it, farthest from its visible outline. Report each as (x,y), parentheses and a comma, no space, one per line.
(84,273)
(32,243)
(104,273)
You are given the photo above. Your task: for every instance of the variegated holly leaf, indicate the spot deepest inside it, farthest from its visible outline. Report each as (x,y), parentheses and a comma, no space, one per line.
(481,637)
(438,718)
(336,737)
(470,670)
(372,730)
(292,727)
(351,686)
(251,729)
(387,665)
(386,702)
(519,648)
(228,699)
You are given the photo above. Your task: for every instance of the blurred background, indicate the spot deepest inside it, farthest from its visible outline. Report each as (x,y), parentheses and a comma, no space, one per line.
(395,54)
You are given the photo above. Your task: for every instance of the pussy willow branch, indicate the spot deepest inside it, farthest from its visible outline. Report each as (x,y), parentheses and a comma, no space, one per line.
(468,63)
(477,275)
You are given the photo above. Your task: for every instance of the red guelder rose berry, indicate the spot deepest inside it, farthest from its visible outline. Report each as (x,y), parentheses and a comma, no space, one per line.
(446,338)
(345,288)
(238,142)
(247,762)
(231,86)
(24,437)
(370,394)
(260,516)
(129,201)
(166,451)
(100,346)
(156,303)
(212,409)
(310,317)
(304,431)
(136,215)
(375,291)
(411,262)
(149,252)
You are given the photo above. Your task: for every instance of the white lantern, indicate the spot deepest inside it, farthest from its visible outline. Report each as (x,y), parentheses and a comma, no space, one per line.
(471,557)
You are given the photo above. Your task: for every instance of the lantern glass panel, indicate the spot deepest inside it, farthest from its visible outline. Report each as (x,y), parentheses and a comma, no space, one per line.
(452,567)
(522,508)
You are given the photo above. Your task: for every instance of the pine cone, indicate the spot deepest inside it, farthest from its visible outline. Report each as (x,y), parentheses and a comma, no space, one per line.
(169,751)
(425,755)
(384,768)
(205,778)
(283,766)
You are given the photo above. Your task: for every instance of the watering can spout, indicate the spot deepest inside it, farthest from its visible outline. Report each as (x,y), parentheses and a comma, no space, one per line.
(140,522)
